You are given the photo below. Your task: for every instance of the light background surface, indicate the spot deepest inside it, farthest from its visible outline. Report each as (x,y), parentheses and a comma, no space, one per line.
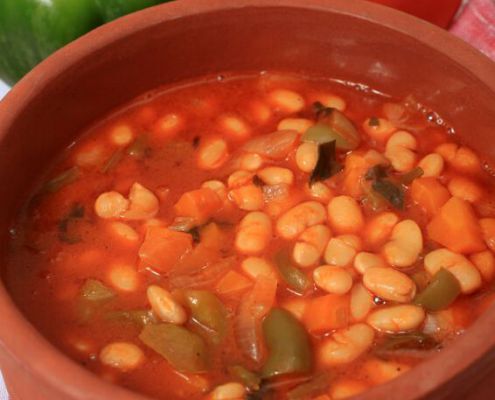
(3,91)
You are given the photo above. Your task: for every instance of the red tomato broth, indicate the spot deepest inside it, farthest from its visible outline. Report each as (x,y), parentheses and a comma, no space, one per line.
(49,264)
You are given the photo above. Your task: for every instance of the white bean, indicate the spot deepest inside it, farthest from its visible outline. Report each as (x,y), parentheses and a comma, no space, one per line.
(389,284)
(257,266)
(432,165)
(254,234)
(400,151)
(165,306)
(293,222)
(344,215)
(365,260)
(248,197)
(143,203)
(276,176)
(310,245)
(212,153)
(111,205)
(124,277)
(122,135)
(122,355)
(394,319)
(300,125)
(307,156)
(361,302)
(345,345)
(228,391)
(341,250)
(287,100)
(332,279)
(405,245)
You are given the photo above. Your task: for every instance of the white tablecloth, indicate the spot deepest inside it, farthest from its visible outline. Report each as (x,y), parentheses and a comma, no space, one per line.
(3,390)
(3,90)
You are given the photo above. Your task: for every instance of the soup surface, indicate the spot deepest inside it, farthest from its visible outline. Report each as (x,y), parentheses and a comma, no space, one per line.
(260,236)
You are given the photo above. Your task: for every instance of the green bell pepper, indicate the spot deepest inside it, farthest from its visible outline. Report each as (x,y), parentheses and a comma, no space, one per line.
(30,30)
(289,349)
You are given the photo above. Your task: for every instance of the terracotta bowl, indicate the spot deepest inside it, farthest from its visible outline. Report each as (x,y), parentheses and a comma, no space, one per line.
(350,40)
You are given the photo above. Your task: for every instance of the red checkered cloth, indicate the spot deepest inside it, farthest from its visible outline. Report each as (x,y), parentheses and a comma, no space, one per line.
(476,25)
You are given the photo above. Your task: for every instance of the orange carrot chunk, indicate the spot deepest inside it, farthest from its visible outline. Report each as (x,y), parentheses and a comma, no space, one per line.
(354,170)
(199,205)
(456,227)
(326,313)
(429,194)
(233,282)
(163,248)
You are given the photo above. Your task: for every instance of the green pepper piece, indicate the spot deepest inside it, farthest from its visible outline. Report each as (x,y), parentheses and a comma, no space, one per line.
(440,293)
(137,317)
(209,311)
(289,349)
(248,378)
(310,389)
(184,350)
(390,192)
(112,162)
(112,9)
(293,276)
(94,290)
(63,179)
(322,133)
(30,30)
(340,124)
(410,176)
(92,296)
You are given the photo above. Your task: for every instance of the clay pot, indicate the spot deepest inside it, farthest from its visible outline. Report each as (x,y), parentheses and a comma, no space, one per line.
(350,40)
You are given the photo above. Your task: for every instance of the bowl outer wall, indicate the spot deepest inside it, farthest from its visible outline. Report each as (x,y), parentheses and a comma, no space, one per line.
(355,41)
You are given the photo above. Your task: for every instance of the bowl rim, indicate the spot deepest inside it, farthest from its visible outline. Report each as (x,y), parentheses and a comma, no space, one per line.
(18,337)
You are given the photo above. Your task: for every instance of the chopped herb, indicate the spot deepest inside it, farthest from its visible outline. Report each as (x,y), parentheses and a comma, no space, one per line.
(327,164)
(391,192)
(408,177)
(194,232)
(257,181)
(385,187)
(76,212)
(376,172)
(317,107)
(64,179)
(348,136)
(112,161)
(374,121)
